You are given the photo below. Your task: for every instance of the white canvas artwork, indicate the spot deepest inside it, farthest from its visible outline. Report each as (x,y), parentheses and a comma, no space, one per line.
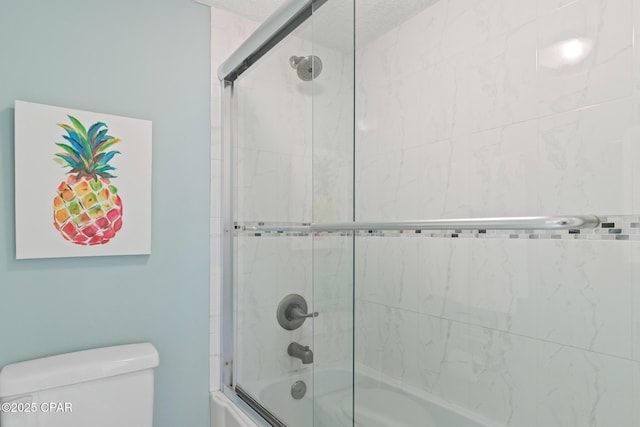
(82,183)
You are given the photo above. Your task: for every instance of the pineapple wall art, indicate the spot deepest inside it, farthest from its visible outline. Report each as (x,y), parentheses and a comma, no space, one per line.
(87,209)
(83,183)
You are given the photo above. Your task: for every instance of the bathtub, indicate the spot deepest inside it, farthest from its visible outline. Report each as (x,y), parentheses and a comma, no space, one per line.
(224,413)
(377,404)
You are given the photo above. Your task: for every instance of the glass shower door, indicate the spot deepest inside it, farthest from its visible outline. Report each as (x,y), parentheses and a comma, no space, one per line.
(440,110)
(291,157)
(476,109)
(272,165)
(332,252)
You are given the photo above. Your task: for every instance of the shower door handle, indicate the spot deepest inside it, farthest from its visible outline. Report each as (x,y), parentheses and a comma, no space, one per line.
(561,222)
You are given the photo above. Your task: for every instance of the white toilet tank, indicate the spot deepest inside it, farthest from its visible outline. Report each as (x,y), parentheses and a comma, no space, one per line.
(103,387)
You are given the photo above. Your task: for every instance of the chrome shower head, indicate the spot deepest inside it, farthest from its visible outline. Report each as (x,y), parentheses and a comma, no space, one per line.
(308,67)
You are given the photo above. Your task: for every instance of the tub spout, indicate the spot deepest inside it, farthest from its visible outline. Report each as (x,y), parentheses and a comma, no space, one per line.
(302,352)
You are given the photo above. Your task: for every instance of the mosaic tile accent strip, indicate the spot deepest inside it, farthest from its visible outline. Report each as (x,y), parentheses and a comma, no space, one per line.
(612,227)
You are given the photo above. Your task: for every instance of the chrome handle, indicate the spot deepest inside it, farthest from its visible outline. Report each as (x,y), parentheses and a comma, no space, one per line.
(292,312)
(297,313)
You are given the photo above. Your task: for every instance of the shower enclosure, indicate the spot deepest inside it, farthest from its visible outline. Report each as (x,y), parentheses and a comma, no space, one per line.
(431,216)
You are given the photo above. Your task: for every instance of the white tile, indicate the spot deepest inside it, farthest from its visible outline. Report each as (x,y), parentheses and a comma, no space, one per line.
(390,273)
(470,22)
(493,173)
(332,200)
(333,268)
(582,154)
(585,54)
(274,157)
(579,388)
(274,187)
(426,32)
(437,87)
(256,183)
(215,274)
(216,143)
(502,387)
(406,110)
(365,334)
(261,348)
(503,285)
(376,62)
(229,31)
(214,344)
(404,184)
(399,346)
(215,241)
(214,293)
(433,336)
(377,181)
(549,6)
(484,370)
(636,393)
(214,377)
(634,260)
(386,341)
(216,196)
(446,362)
(636,45)
(445,267)
(269,268)
(495,82)
(585,295)
(214,328)
(631,151)
(332,340)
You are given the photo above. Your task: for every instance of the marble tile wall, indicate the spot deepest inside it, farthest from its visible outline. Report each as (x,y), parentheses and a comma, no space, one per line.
(267,270)
(273,131)
(500,108)
(455,317)
(494,120)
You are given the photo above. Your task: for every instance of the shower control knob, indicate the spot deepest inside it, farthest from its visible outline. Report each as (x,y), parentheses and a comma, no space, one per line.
(292,312)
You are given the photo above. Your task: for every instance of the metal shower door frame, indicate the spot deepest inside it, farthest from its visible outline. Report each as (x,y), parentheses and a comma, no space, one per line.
(287,18)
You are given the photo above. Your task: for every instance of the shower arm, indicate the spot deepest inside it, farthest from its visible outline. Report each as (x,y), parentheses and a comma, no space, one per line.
(562,222)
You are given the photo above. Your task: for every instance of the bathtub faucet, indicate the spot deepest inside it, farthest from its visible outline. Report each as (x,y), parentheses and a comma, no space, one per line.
(302,352)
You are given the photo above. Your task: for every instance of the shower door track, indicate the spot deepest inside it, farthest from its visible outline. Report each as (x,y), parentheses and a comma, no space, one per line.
(278,26)
(562,222)
(258,408)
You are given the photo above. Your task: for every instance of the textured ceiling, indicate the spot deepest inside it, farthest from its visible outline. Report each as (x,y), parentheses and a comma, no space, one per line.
(256,10)
(333,25)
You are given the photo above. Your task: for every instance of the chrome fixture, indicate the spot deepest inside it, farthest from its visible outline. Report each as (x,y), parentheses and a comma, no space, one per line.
(308,67)
(292,312)
(298,390)
(302,352)
(561,222)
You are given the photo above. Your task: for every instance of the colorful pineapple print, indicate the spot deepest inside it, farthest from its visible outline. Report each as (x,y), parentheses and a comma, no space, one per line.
(87,209)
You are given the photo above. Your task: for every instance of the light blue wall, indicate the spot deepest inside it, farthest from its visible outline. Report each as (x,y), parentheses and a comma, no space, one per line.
(139,58)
